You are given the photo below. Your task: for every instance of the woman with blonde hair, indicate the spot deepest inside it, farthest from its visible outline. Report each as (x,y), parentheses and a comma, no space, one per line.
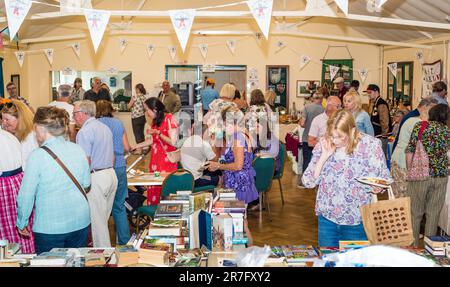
(270,97)
(17,119)
(340,157)
(352,103)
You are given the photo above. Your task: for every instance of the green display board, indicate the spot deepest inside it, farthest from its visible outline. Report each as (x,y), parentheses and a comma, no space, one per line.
(399,87)
(345,71)
(278,81)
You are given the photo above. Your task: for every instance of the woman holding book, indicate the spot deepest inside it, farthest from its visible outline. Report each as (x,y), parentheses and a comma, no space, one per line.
(340,157)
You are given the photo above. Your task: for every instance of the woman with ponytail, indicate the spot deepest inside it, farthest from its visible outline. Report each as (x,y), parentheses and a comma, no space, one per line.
(340,157)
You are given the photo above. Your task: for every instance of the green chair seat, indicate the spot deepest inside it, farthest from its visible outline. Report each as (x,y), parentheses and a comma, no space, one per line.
(264,168)
(148,210)
(204,188)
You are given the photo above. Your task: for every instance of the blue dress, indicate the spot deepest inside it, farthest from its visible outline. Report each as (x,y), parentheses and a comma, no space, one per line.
(242,181)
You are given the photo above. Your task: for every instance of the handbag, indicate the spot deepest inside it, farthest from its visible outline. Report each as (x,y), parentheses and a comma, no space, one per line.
(172,156)
(388,222)
(55,157)
(420,166)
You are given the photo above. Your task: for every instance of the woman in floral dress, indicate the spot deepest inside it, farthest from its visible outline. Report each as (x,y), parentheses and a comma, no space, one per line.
(164,135)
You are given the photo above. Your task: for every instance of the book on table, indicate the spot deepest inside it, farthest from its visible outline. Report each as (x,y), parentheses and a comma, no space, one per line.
(155,254)
(352,244)
(126,255)
(94,258)
(222,232)
(436,241)
(200,200)
(166,227)
(169,210)
(200,230)
(229,206)
(300,253)
(55,259)
(434,251)
(188,262)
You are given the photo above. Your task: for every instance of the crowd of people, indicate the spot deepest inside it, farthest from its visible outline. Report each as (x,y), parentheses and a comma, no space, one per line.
(64,172)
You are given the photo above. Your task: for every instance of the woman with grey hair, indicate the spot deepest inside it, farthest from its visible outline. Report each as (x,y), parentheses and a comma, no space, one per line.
(61,210)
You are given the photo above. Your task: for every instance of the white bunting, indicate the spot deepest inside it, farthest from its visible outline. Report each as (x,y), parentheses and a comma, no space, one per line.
(304,60)
(333,71)
(280,45)
(97,20)
(123,44)
(380,3)
(150,50)
(173,52)
(343,5)
(20,57)
(262,12)
(318,8)
(112,71)
(204,50)
(74,6)
(363,73)
(182,21)
(49,54)
(393,68)
(76,48)
(16,10)
(231,44)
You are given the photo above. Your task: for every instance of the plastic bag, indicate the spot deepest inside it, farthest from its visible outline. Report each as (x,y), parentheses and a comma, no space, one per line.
(253,256)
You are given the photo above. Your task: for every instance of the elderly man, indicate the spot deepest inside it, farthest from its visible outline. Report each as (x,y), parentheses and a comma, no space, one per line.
(94,93)
(319,123)
(170,100)
(97,141)
(340,85)
(12,91)
(440,92)
(208,94)
(62,102)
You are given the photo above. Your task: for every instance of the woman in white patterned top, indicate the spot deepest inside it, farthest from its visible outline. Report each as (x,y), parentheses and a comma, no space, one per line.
(136,105)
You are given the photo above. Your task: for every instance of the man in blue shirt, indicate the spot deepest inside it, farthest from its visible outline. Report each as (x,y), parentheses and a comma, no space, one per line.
(440,92)
(97,141)
(208,94)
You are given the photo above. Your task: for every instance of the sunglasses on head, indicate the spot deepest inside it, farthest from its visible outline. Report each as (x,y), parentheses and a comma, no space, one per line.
(7,105)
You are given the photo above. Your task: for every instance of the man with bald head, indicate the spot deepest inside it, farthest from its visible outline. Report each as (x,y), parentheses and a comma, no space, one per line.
(319,123)
(170,100)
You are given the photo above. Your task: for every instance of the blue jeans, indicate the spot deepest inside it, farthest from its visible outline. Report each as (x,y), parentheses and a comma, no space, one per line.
(46,242)
(119,212)
(330,233)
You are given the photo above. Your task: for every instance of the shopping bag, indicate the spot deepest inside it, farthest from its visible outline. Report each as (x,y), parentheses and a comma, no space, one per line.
(419,169)
(388,222)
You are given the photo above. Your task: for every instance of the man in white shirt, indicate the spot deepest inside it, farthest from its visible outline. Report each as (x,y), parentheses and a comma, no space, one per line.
(195,152)
(62,102)
(319,124)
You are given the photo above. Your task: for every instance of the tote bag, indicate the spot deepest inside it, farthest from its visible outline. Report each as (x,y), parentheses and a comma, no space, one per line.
(420,166)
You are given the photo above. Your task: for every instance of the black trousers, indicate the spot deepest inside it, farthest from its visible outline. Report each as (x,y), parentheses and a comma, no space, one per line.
(138,128)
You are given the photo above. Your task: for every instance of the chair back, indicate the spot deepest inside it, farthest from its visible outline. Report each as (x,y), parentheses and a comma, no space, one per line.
(178,180)
(282,155)
(265,168)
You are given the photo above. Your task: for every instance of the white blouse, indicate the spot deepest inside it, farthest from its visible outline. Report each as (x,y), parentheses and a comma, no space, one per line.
(28,145)
(11,158)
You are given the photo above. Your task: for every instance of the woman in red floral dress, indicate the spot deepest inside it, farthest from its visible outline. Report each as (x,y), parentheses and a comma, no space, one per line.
(164,132)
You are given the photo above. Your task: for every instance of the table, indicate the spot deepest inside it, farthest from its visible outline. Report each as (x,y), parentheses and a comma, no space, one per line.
(284,129)
(292,145)
(146,179)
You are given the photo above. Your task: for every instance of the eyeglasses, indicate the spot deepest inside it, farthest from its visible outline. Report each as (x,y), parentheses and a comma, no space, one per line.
(7,105)
(74,113)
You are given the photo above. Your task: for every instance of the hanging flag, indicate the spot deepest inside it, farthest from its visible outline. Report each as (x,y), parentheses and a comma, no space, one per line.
(262,12)
(112,71)
(16,10)
(393,68)
(231,44)
(76,48)
(20,55)
(343,5)
(363,73)
(123,44)
(49,54)
(150,50)
(318,8)
(304,60)
(204,50)
(380,3)
(182,21)
(280,45)
(173,52)
(333,71)
(97,20)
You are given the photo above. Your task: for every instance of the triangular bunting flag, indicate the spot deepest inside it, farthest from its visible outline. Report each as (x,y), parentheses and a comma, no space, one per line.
(150,50)
(304,60)
(182,21)
(97,20)
(123,44)
(76,48)
(318,8)
(204,50)
(49,54)
(380,3)
(173,52)
(16,10)
(343,5)
(333,71)
(20,57)
(112,71)
(363,73)
(280,45)
(262,12)
(231,44)
(393,68)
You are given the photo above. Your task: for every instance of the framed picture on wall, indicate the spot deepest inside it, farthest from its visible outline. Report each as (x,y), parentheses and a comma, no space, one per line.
(277,80)
(306,88)
(16,80)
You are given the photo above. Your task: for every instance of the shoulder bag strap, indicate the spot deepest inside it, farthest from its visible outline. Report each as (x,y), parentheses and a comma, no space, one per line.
(55,157)
(422,128)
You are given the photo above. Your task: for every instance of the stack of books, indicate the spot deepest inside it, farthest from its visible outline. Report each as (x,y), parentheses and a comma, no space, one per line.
(126,255)
(52,259)
(155,254)
(345,245)
(435,245)
(95,257)
(225,193)
(300,255)
(169,209)
(228,209)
